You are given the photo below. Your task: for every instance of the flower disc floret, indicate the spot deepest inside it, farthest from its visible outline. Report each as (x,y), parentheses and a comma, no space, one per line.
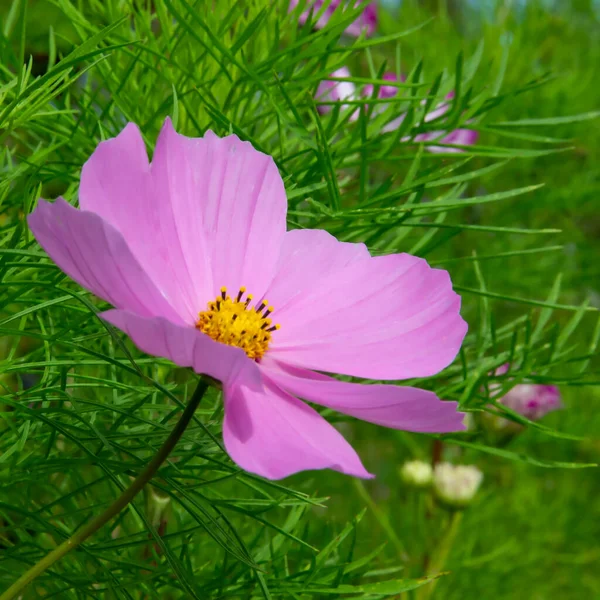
(235,323)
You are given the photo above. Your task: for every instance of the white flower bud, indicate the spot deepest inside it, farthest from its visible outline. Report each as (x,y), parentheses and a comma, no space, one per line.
(456,485)
(416,473)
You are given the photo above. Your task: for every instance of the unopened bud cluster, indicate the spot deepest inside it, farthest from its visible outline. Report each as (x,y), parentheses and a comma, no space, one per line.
(455,486)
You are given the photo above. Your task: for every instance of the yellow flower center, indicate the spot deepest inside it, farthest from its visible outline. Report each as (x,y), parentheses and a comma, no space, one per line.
(232,322)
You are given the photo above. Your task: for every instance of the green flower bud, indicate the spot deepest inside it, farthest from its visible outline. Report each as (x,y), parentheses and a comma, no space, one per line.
(416,473)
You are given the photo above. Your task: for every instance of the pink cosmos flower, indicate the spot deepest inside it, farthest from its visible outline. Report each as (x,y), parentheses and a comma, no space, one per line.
(385,91)
(192,251)
(340,91)
(367,20)
(337,91)
(532,401)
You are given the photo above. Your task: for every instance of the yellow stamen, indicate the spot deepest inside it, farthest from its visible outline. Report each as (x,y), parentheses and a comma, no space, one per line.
(233,322)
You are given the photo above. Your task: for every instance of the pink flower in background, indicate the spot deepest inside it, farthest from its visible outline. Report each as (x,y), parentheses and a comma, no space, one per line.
(463,137)
(335,91)
(332,90)
(366,22)
(193,253)
(385,91)
(530,400)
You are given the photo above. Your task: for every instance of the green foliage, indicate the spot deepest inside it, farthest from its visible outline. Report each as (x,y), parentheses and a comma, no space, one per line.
(82,410)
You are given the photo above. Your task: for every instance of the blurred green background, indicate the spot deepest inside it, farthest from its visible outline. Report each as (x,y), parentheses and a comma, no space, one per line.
(533,532)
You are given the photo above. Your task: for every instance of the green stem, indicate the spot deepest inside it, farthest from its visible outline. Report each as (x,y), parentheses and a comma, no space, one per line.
(439,557)
(119,504)
(380,516)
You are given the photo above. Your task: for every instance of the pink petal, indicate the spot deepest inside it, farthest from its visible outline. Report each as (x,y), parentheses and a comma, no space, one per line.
(395,124)
(366,21)
(390,92)
(240,201)
(336,91)
(118,183)
(186,347)
(208,212)
(314,6)
(314,247)
(272,434)
(385,317)
(385,91)
(96,256)
(461,137)
(398,407)
(502,369)
(437,112)
(531,400)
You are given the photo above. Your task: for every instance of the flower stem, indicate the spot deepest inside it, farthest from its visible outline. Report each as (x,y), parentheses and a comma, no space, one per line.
(436,452)
(381,518)
(119,504)
(439,557)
